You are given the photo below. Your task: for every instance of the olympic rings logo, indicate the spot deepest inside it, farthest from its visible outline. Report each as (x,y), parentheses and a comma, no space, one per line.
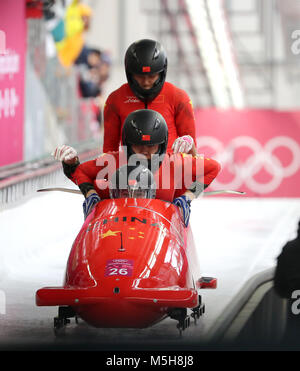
(263,157)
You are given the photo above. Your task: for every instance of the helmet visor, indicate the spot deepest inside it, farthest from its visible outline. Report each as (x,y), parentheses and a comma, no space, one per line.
(132,193)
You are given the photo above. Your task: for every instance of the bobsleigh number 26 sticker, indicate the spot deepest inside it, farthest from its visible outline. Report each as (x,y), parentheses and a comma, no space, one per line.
(119,267)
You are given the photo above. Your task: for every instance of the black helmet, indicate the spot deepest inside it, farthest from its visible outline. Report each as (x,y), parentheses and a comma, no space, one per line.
(142,57)
(145,127)
(132,182)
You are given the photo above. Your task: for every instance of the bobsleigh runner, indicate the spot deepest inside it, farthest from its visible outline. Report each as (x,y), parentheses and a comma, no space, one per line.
(131,265)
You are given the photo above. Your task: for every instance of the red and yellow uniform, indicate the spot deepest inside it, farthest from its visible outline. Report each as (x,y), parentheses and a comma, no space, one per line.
(172,103)
(175,175)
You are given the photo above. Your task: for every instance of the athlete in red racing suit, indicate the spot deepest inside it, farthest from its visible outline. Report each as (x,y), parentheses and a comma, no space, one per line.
(172,103)
(179,177)
(175,166)
(146,69)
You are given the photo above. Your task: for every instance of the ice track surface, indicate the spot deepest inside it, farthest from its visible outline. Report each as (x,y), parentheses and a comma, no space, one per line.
(236,239)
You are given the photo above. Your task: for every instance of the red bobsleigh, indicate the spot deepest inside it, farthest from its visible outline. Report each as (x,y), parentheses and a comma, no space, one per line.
(131,265)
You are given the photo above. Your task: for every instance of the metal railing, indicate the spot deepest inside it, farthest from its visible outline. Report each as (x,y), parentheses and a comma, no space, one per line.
(74,116)
(20,181)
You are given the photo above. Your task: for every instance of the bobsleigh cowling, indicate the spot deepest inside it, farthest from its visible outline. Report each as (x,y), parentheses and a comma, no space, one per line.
(131,265)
